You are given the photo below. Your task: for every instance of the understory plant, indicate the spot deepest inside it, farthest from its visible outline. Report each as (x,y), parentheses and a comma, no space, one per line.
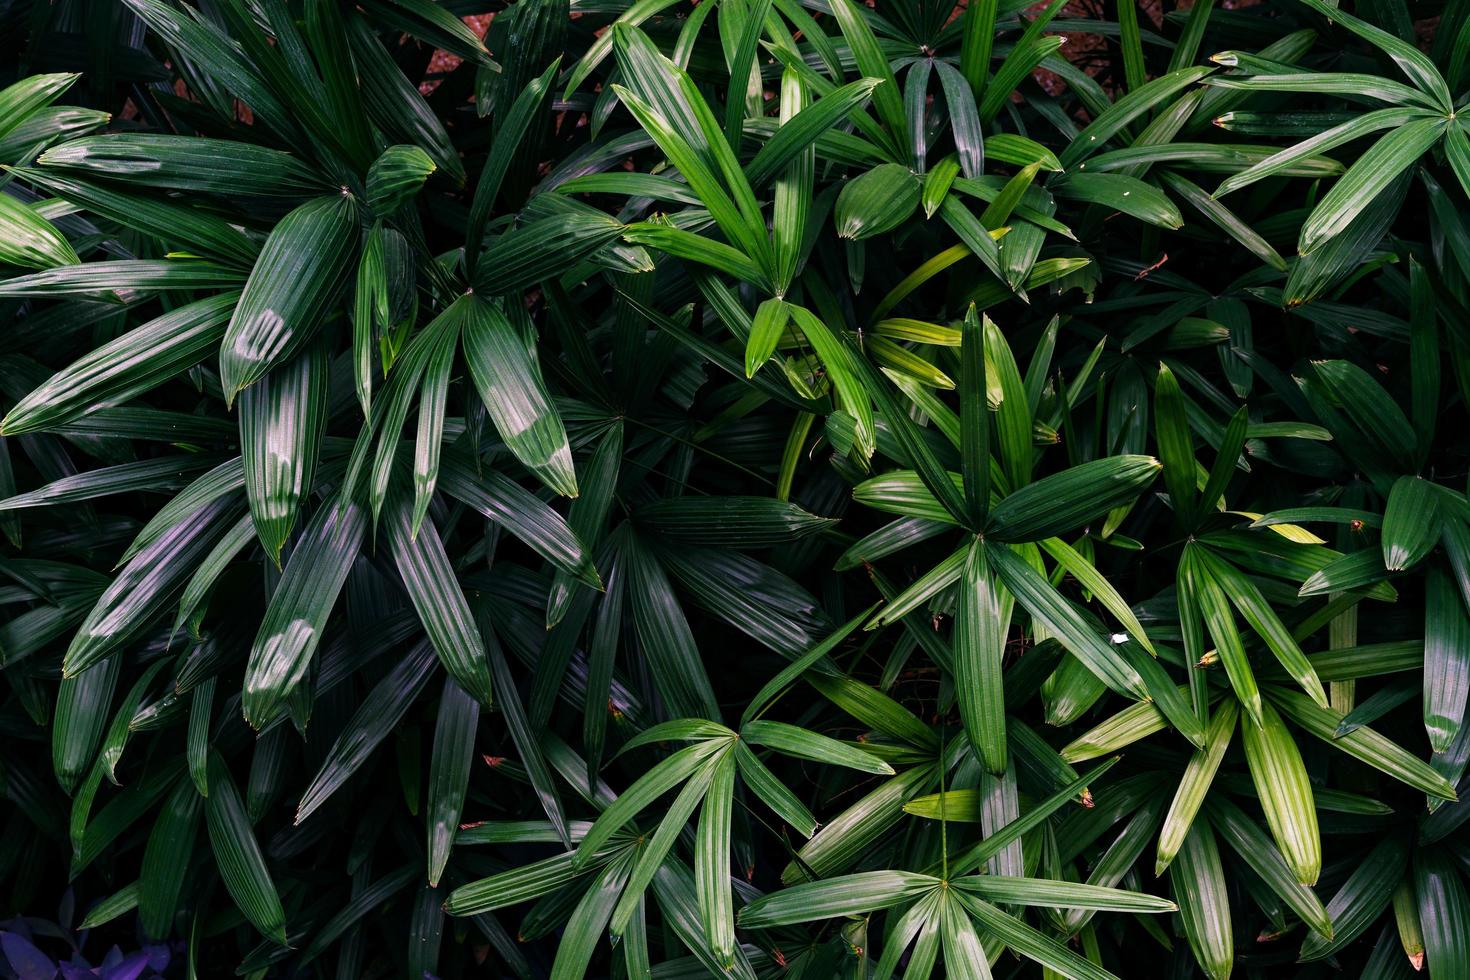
(750,488)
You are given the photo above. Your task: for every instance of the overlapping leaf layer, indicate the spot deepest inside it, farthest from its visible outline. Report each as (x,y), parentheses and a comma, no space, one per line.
(754,488)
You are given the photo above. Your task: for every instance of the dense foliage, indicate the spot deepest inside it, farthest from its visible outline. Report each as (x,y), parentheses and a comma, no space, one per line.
(768,488)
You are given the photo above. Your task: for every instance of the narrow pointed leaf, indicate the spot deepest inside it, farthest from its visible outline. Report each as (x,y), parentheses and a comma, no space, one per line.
(505,371)
(294,284)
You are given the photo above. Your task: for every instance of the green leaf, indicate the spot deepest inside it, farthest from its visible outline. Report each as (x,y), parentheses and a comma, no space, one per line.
(712,862)
(1217,615)
(792,195)
(1117,192)
(1013,418)
(1042,892)
(1031,943)
(1246,839)
(765,333)
(937,183)
(999,211)
(982,619)
(505,371)
(1062,620)
(1194,785)
(1020,151)
(541,249)
(1231,444)
(393,101)
(296,617)
(653,784)
(21,99)
(49,126)
(377,715)
(585,520)
(696,248)
(431,22)
(395,177)
(196,230)
(514,885)
(1442,904)
(1065,501)
(1004,836)
(238,855)
(964,954)
(1446,651)
(798,742)
(1204,904)
(974,418)
(774,793)
(1357,570)
(871,706)
(1366,179)
(29,240)
(193,603)
(1226,220)
(1135,722)
(872,63)
(1411,61)
(976,238)
(82,704)
(166,860)
(1257,612)
(1125,110)
(1328,139)
(512,131)
(527,743)
(692,141)
(589,920)
(1022,60)
(876,202)
(433,394)
(201,709)
(1364,744)
(867,891)
(1286,794)
(1327,83)
(453,756)
(146,586)
(851,376)
(1315,272)
(806,128)
(430,582)
(847,837)
(1411,523)
(119,903)
(187,163)
(1362,898)
(522,513)
(635,14)
(150,474)
(295,282)
(731,522)
(127,278)
(1087,575)
(281,423)
(1457,152)
(667,641)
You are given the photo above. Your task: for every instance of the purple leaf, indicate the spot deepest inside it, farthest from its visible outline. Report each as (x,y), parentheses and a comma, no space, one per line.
(28,962)
(131,968)
(159,956)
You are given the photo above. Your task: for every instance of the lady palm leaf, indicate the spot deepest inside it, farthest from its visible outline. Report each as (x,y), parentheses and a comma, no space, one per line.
(691,487)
